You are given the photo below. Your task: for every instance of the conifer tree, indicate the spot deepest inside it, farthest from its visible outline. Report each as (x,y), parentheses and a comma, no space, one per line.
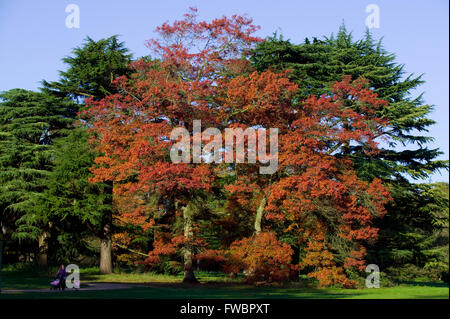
(92,68)
(77,208)
(29,123)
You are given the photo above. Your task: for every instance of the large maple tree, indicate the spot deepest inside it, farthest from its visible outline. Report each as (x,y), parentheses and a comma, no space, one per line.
(202,73)
(133,126)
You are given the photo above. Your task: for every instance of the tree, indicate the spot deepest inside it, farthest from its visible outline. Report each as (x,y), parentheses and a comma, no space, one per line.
(416,237)
(315,193)
(29,123)
(92,69)
(216,85)
(316,64)
(77,208)
(133,127)
(91,72)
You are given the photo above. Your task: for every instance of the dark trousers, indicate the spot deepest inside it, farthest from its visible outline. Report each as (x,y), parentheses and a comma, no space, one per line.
(62,283)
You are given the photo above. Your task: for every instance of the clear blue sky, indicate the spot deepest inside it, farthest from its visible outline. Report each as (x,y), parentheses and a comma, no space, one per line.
(34,36)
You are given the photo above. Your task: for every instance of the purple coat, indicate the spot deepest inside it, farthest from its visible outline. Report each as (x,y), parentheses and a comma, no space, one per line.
(62,274)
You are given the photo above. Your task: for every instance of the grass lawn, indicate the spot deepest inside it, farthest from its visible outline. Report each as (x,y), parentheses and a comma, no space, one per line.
(213,285)
(32,278)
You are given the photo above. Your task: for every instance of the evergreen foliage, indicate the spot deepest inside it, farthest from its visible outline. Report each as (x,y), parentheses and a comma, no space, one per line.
(92,69)
(29,124)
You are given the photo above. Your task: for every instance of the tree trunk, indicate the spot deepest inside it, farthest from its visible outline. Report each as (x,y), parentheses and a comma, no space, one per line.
(4,230)
(188,217)
(258,220)
(259,214)
(295,261)
(106,266)
(43,249)
(105,256)
(1,261)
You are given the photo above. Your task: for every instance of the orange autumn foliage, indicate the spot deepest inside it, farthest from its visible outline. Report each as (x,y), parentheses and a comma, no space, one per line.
(211,259)
(263,257)
(132,128)
(202,74)
(322,197)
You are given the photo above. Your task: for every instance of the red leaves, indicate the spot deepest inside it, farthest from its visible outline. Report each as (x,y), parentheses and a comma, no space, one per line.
(201,75)
(161,248)
(258,99)
(327,124)
(330,276)
(323,186)
(132,128)
(262,256)
(319,258)
(200,49)
(210,258)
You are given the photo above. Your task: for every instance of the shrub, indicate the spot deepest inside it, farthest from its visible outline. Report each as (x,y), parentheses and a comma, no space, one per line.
(210,260)
(437,270)
(166,266)
(262,258)
(410,272)
(332,276)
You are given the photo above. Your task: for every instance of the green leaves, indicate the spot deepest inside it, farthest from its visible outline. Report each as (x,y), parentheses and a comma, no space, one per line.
(92,69)
(70,194)
(29,123)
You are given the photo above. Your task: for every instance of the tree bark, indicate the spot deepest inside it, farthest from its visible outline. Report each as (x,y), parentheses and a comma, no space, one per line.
(43,250)
(188,216)
(258,220)
(259,214)
(1,261)
(106,266)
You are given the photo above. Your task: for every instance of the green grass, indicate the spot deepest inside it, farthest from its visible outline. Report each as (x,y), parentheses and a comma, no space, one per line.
(32,278)
(213,285)
(215,291)
(92,275)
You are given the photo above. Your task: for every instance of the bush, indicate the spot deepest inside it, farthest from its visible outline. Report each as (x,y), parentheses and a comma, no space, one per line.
(410,272)
(437,270)
(262,258)
(165,266)
(359,278)
(332,276)
(210,260)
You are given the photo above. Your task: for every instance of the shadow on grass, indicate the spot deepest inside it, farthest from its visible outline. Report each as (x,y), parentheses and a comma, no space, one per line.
(180,291)
(25,280)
